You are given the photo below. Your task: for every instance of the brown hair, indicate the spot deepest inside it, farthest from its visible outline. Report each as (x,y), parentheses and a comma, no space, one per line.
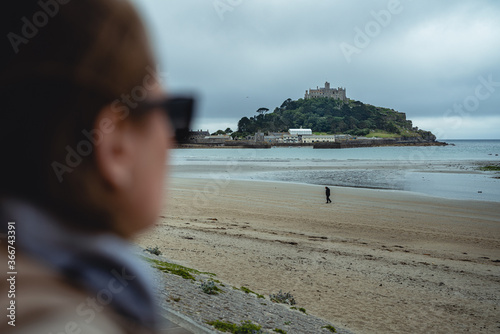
(52,87)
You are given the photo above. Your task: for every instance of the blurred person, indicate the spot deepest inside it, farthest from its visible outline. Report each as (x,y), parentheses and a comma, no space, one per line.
(85,127)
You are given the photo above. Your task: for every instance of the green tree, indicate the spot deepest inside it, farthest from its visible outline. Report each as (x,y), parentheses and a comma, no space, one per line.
(286,104)
(243,124)
(328,115)
(262,111)
(218,132)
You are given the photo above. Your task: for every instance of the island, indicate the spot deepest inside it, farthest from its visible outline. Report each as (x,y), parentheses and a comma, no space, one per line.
(324,118)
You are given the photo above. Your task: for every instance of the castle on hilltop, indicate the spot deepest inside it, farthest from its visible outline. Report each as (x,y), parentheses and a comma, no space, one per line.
(333,93)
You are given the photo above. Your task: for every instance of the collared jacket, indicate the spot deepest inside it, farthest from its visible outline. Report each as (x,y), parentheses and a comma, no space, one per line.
(55,280)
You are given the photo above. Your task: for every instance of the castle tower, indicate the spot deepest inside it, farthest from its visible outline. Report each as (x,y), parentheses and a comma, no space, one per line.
(327,91)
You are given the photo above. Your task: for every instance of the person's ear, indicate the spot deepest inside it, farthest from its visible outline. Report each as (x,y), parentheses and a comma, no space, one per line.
(114,148)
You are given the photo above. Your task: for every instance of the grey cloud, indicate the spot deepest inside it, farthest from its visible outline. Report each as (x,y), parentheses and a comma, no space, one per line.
(428,57)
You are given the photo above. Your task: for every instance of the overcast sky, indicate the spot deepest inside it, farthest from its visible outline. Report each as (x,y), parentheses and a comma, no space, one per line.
(437,61)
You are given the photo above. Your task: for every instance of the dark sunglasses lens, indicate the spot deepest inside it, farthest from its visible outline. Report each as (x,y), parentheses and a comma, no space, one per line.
(180,111)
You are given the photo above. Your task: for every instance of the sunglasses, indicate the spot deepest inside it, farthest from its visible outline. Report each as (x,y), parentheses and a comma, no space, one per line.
(180,113)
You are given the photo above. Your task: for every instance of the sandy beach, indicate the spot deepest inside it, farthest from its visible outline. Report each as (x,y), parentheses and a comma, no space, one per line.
(373,261)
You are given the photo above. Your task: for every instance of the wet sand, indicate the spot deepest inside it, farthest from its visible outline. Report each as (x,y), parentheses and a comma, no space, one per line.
(374,261)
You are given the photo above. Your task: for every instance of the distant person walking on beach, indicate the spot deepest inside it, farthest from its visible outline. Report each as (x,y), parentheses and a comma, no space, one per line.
(327,191)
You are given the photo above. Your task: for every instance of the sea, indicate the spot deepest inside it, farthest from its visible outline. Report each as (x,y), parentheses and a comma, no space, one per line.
(451,171)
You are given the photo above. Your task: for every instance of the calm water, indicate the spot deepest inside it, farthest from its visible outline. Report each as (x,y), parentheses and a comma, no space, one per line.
(462,150)
(297,164)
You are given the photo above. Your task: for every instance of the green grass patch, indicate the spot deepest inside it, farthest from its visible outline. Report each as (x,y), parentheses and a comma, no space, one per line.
(408,133)
(382,134)
(247,290)
(179,272)
(175,269)
(210,288)
(277,330)
(301,309)
(494,168)
(246,327)
(330,328)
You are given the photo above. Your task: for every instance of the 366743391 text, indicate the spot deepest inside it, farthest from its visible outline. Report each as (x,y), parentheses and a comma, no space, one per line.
(11,273)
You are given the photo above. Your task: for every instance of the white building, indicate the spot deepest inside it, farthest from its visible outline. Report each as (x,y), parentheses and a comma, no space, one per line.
(273,139)
(300,132)
(290,138)
(319,139)
(216,139)
(343,137)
